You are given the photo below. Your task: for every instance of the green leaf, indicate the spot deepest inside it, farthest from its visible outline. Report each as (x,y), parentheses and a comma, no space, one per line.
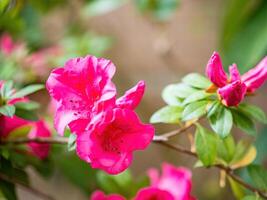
(250,197)
(245,154)
(221,122)
(21,131)
(3,5)
(8,190)
(6,89)
(243,122)
(194,110)
(72,142)
(99,7)
(214,107)
(196,80)
(29,105)
(253,112)
(26,114)
(226,148)
(168,95)
(259,176)
(206,145)
(7,110)
(27,90)
(237,189)
(121,183)
(196,96)
(167,114)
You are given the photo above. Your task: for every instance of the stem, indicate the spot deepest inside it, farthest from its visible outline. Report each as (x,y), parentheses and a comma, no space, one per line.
(25,186)
(50,140)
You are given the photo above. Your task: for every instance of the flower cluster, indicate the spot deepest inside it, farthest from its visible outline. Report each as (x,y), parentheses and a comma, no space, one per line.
(233,89)
(174,184)
(107,129)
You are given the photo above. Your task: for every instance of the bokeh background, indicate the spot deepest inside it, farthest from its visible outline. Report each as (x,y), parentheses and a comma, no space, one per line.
(158,41)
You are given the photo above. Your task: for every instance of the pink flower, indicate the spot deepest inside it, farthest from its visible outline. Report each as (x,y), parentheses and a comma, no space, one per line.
(108,131)
(110,147)
(36,129)
(8,46)
(233,90)
(99,195)
(151,193)
(233,93)
(81,88)
(39,61)
(176,181)
(256,77)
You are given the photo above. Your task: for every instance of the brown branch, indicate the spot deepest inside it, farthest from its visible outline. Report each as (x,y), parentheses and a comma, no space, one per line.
(25,186)
(50,140)
(228,170)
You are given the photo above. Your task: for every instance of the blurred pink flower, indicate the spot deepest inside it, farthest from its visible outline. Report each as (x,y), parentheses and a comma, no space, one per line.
(99,195)
(39,61)
(176,181)
(232,91)
(8,46)
(110,147)
(152,193)
(81,88)
(37,129)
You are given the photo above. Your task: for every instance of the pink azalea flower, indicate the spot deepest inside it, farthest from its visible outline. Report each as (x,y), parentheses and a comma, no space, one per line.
(37,129)
(151,193)
(233,90)
(8,46)
(110,147)
(39,61)
(176,181)
(82,87)
(99,195)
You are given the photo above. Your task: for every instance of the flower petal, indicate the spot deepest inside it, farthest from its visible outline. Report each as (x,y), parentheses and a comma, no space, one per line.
(132,97)
(150,193)
(256,77)
(99,195)
(234,73)
(215,71)
(232,94)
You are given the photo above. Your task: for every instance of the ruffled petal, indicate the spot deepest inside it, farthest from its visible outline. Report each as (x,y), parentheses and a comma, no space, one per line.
(132,97)
(234,73)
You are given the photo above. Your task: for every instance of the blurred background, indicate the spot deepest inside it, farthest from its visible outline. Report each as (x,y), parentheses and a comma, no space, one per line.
(158,41)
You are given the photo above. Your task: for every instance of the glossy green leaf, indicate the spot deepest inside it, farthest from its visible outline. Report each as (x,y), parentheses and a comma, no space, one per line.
(244,123)
(253,112)
(168,95)
(26,114)
(196,96)
(250,197)
(29,105)
(27,90)
(214,107)
(7,110)
(8,190)
(226,148)
(6,89)
(167,114)
(194,110)
(196,80)
(259,176)
(221,122)
(206,145)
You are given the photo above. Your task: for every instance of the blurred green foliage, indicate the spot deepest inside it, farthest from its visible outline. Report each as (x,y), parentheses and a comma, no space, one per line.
(160,10)
(244,30)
